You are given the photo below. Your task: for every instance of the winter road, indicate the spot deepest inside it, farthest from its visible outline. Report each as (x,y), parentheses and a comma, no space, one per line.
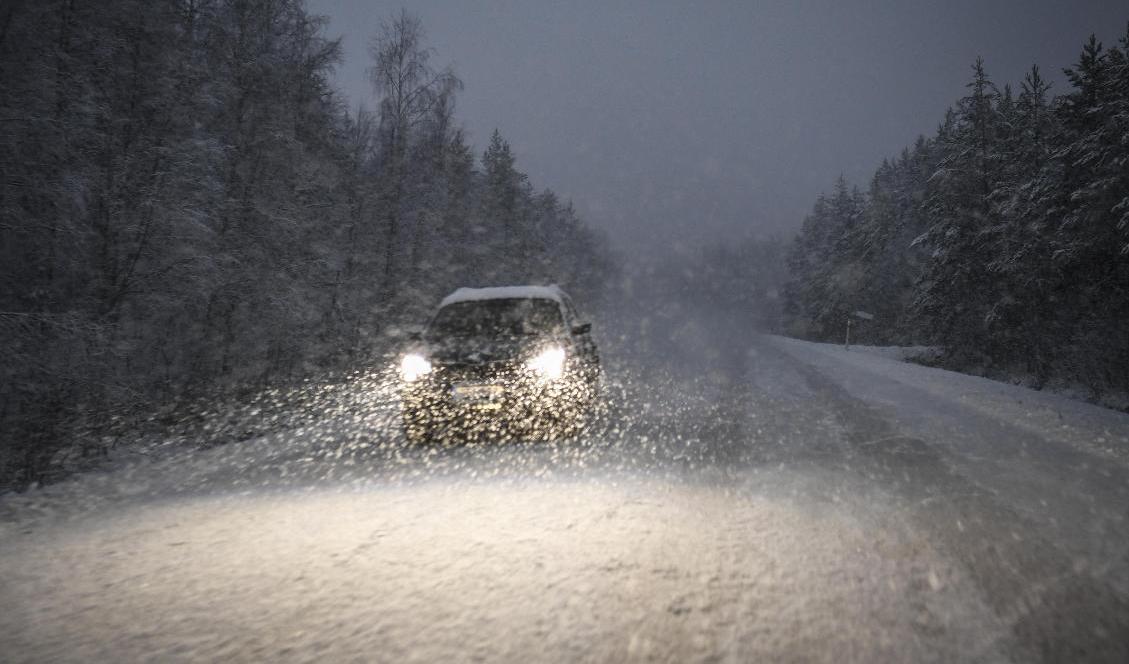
(745,499)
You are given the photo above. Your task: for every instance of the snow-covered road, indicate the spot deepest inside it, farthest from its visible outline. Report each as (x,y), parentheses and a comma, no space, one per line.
(754,499)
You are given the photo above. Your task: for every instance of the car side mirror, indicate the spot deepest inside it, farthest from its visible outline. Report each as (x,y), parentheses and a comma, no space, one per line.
(583,328)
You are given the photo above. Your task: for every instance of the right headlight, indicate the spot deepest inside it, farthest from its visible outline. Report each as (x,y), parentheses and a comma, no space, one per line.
(413,367)
(549,363)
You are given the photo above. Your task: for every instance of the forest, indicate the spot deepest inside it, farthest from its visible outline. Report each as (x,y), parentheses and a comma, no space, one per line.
(188,205)
(1002,240)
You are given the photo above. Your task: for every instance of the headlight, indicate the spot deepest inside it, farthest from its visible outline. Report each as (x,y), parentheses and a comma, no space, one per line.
(413,367)
(549,363)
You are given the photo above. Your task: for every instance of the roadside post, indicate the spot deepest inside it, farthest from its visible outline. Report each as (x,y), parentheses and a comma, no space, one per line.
(861,315)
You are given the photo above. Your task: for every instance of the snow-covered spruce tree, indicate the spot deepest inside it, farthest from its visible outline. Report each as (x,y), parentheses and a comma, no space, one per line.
(504,214)
(804,290)
(1022,315)
(826,275)
(843,274)
(460,214)
(953,297)
(891,220)
(1090,218)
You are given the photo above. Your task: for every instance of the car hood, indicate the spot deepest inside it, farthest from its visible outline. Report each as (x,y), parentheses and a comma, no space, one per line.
(485,350)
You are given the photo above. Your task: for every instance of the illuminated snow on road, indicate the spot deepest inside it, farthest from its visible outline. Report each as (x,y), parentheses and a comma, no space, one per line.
(779,501)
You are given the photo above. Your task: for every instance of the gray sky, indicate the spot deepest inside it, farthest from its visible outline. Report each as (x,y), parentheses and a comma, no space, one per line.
(677,121)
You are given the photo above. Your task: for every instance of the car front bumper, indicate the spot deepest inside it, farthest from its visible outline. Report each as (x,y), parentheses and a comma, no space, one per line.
(493,402)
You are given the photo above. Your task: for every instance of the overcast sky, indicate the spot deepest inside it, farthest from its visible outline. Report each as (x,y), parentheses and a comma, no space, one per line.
(676,121)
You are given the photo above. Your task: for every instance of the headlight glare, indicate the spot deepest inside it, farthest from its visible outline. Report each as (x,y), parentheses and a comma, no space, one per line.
(413,367)
(549,363)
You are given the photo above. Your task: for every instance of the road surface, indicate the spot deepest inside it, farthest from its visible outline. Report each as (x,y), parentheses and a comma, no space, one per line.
(742,498)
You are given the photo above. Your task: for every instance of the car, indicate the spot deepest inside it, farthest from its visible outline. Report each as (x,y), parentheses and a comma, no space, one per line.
(511,360)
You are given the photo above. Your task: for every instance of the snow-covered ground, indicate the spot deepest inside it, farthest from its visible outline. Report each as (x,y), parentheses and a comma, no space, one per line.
(484,572)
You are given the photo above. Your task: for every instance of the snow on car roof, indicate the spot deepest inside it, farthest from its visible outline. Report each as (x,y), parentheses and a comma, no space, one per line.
(504,293)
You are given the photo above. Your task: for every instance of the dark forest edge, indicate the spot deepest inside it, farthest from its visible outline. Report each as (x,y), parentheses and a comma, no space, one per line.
(1003,239)
(189,210)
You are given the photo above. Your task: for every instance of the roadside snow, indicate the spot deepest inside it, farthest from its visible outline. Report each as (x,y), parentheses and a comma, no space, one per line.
(1053,417)
(901,353)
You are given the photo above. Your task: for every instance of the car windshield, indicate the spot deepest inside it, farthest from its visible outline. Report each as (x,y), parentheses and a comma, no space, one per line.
(493,318)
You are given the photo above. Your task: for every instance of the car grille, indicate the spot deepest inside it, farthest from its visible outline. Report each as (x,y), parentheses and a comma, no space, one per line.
(476,373)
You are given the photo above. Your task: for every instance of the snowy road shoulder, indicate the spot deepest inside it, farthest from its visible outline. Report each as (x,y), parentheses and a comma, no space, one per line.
(884,380)
(1026,489)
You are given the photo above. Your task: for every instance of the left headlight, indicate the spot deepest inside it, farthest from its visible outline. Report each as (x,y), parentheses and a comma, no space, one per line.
(413,367)
(549,363)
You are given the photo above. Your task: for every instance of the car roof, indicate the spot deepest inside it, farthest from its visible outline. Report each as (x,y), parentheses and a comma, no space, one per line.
(552,292)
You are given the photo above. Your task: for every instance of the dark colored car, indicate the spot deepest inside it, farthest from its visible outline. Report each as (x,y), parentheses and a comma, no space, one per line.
(510,360)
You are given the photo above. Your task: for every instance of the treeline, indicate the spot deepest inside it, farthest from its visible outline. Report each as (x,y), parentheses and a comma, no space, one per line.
(186,202)
(1004,238)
